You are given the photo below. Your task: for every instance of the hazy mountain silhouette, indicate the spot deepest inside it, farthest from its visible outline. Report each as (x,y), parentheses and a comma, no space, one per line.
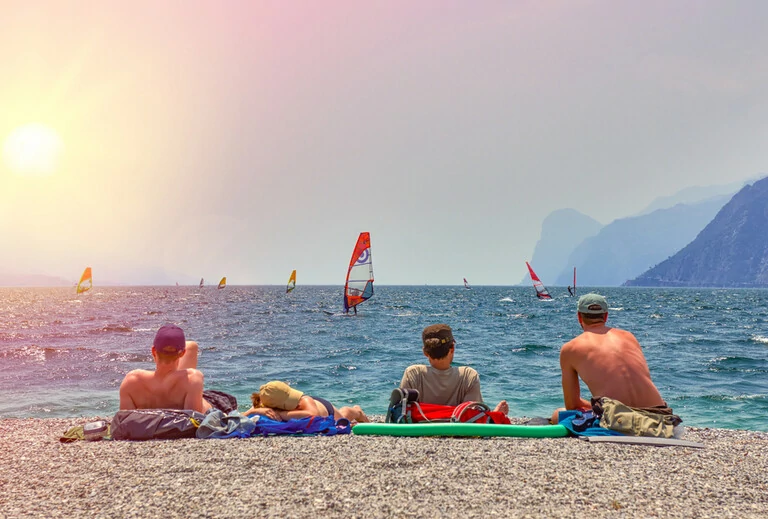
(561,232)
(32,280)
(628,247)
(732,251)
(694,195)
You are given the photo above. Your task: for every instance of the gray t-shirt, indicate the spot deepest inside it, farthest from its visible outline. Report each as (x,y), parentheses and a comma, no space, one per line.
(450,386)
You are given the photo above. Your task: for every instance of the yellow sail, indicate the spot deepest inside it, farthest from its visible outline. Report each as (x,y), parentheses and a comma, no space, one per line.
(291,282)
(223,282)
(86,283)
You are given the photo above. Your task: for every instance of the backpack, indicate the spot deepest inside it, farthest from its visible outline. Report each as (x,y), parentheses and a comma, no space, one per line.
(404,407)
(155,424)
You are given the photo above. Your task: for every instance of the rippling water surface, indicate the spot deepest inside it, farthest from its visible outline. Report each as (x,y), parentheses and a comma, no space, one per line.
(64,356)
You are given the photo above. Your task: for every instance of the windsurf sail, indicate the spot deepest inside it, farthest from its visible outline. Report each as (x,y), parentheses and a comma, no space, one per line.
(541,291)
(223,282)
(359,284)
(291,282)
(202,282)
(85,283)
(466,284)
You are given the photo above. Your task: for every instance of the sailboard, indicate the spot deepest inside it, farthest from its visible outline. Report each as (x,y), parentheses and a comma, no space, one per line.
(202,282)
(86,282)
(223,282)
(466,284)
(541,290)
(359,284)
(291,282)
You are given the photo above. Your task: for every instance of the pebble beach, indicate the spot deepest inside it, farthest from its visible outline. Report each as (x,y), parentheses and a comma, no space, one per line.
(366,476)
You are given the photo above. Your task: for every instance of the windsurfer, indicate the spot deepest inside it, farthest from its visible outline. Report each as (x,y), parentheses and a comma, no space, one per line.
(570,291)
(279,401)
(610,361)
(440,383)
(176,383)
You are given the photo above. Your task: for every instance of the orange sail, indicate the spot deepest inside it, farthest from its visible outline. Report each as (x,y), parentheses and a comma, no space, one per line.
(86,283)
(291,282)
(359,284)
(223,282)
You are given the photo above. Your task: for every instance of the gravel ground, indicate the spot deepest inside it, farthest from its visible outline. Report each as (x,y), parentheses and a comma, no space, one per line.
(365,476)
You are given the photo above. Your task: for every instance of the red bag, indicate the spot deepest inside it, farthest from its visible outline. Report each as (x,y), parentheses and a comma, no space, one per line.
(404,408)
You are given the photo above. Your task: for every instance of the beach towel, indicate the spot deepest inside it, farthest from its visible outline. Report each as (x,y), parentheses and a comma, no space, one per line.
(583,423)
(313,425)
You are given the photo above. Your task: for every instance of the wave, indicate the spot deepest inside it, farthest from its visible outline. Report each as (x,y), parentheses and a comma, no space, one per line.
(37,353)
(506,300)
(760,339)
(124,357)
(113,328)
(531,348)
(734,398)
(737,364)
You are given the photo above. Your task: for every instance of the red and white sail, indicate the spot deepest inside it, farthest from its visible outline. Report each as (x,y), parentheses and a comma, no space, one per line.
(541,290)
(359,284)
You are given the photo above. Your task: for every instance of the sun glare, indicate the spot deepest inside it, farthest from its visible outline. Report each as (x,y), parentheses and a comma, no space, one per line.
(32,150)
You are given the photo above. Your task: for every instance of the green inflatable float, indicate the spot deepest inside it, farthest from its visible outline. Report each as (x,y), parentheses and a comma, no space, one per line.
(459,429)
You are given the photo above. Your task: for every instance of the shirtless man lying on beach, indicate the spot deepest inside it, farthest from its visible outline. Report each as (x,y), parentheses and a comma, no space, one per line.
(176,383)
(440,383)
(610,361)
(279,401)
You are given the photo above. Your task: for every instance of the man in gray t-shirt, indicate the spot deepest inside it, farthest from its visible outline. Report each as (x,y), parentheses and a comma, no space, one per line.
(440,383)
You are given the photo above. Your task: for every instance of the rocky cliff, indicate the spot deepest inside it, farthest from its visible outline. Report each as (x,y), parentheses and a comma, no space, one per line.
(732,251)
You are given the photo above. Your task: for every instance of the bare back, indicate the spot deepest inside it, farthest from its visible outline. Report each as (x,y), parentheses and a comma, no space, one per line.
(177,389)
(611,363)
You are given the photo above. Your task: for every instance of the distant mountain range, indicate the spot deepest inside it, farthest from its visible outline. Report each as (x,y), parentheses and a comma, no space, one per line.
(561,232)
(628,247)
(625,248)
(694,195)
(732,251)
(32,280)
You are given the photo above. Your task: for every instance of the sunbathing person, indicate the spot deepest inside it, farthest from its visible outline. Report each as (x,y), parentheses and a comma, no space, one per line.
(440,383)
(279,401)
(176,383)
(610,361)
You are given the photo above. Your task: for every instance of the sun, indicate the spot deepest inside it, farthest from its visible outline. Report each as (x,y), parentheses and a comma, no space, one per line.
(32,150)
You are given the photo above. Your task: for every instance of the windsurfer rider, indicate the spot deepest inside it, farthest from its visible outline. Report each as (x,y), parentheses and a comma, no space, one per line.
(440,383)
(570,291)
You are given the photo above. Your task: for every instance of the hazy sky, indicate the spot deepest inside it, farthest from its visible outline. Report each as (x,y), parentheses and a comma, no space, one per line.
(251,138)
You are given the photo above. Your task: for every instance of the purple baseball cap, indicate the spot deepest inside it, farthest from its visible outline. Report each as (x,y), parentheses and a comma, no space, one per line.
(170,339)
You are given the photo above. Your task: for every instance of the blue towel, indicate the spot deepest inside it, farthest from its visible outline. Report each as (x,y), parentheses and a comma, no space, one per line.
(216,424)
(311,425)
(583,423)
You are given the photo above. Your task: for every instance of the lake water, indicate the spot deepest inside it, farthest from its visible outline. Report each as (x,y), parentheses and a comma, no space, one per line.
(64,356)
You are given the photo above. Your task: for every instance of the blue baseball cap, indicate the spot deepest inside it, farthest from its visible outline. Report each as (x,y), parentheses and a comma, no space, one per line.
(170,340)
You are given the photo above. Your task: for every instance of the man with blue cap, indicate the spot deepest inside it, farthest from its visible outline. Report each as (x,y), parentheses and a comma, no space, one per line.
(176,383)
